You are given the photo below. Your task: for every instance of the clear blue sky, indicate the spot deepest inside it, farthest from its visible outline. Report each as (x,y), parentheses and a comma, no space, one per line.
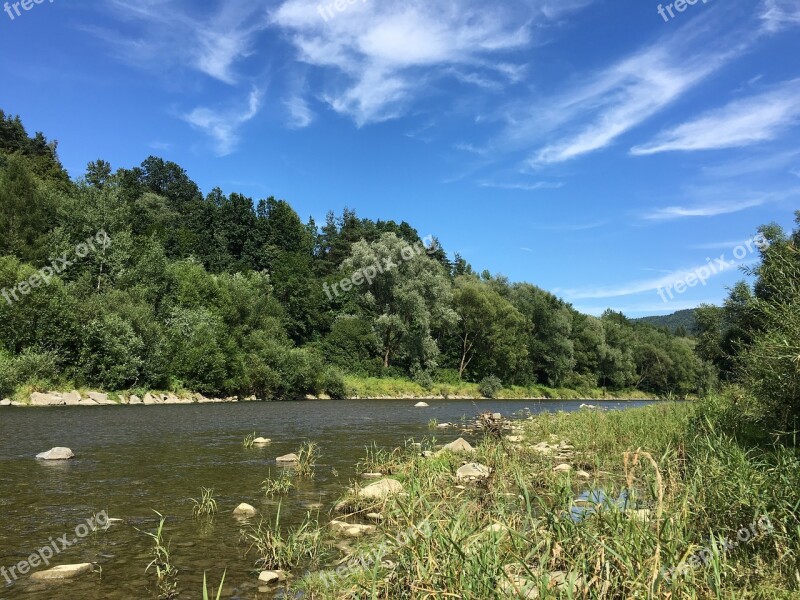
(594,148)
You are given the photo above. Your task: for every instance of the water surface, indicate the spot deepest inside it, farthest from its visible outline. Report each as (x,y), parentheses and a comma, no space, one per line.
(131,460)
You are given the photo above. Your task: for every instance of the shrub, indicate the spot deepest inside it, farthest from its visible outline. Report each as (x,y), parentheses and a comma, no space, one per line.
(489,386)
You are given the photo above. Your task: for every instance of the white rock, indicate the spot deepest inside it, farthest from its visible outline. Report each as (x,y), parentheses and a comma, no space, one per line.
(562,468)
(50,399)
(380,490)
(5,402)
(63,572)
(98,397)
(288,458)
(244,510)
(56,454)
(262,441)
(421,405)
(72,398)
(473,471)
(135,400)
(351,529)
(372,475)
(269,577)
(460,446)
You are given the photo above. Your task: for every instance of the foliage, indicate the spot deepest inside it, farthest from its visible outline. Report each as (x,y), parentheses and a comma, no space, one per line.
(489,386)
(206,505)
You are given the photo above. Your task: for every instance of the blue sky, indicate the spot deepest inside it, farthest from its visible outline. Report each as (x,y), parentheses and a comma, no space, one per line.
(594,148)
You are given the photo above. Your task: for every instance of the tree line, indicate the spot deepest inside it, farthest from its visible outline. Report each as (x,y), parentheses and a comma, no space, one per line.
(220,294)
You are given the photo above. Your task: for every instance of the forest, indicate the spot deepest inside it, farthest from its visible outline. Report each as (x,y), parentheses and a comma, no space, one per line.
(161,287)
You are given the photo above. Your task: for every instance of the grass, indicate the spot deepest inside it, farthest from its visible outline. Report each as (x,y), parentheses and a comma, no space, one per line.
(279,548)
(273,487)
(166,573)
(249,440)
(307,458)
(206,505)
(206,595)
(691,477)
(390,387)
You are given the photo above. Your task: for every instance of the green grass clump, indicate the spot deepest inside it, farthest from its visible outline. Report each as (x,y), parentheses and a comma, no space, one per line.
(307,458)
(284,548)
(249,440)
(281,485)
(206,505)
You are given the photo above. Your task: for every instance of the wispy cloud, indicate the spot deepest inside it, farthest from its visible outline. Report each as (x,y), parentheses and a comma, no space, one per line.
(779,14)
(670,213)
(740,123)
(753,163)
(161,34)
(300,114)
(223,125)
(524,187)
(378,56)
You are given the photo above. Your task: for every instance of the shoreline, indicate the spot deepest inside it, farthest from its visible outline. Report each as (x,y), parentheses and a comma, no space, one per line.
(53,399)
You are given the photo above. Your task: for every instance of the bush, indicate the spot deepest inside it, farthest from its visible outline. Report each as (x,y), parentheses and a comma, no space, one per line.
(28,368)
(489,386)
(334,385)
(424,380)
(448,376)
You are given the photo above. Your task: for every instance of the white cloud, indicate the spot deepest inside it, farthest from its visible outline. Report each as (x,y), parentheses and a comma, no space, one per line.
(779,14)
(670,213)
(379,55)
(524,187)
(740,123)
(165,33)
(223,125)
(300,113)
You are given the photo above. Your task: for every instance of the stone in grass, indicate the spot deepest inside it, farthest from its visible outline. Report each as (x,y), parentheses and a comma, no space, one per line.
(380,490)
(288,458)
(460,446)
(262,441)
(56,454)
(562,468)
(583,475)
(352,529)
(244,511)
(270,577)
(63,572)
(372,475)
(472,471)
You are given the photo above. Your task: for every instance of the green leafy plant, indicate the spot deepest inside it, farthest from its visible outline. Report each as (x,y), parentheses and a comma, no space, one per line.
(219,591)
(307,458)
(249,440)
(166,573)
(274,487)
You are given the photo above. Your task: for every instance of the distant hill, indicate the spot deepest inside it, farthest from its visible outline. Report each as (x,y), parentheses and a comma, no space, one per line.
(682,318)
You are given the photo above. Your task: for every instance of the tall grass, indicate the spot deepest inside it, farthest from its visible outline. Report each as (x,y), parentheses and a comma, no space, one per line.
(206,505)
(284,548)
(688,485)
(166,573)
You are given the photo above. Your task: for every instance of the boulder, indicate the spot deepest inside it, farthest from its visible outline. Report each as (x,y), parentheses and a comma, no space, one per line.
(473,471)
(270,577)
(150,399)
(262,441)
(562,468)
(88,403)
(245,511)
(421,405)
(380,490)
(287,458)
(460,446)
(50,399)
(5,402)
(497,417)
(63,572)
(72,398)
(56,454)
(443,426)
(583,475)
(372,475)
(98,397)
(135,400)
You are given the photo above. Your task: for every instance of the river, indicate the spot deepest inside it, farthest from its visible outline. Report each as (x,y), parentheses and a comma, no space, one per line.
(131,461)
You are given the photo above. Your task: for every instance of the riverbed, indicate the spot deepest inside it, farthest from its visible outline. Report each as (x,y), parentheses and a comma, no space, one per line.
(130,461)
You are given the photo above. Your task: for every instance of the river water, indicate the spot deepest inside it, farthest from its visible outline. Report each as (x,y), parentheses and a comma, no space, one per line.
(133,460)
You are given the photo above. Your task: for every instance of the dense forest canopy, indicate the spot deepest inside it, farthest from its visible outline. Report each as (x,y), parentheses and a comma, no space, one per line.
(223,295)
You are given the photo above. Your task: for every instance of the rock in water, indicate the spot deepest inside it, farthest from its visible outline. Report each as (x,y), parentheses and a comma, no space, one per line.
(288,458)
(245,511)
(269,577)
(56,454)
(421,405)
(262,441)
(62,572)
